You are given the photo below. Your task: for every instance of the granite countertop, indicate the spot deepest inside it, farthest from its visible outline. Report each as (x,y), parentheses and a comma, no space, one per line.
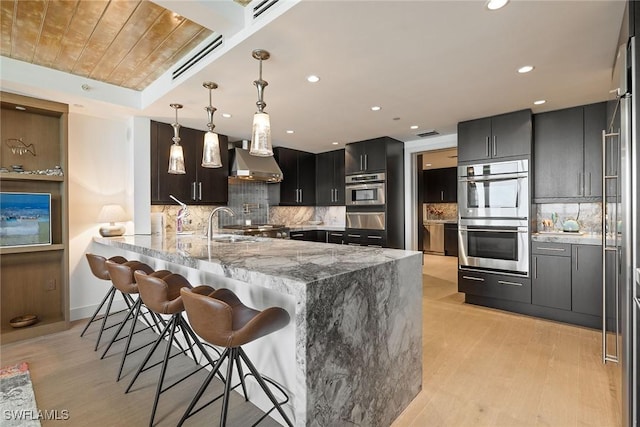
(573,238)
(281,264)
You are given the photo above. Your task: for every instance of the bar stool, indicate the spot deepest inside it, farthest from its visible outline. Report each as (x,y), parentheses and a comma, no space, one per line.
(122,279)
(99,270)
(222,320)
(162,296)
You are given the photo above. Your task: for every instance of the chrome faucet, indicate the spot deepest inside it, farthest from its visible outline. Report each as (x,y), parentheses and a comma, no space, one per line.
(209,227)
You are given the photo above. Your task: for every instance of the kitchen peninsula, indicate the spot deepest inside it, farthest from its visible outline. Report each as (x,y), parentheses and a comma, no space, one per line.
(352,353)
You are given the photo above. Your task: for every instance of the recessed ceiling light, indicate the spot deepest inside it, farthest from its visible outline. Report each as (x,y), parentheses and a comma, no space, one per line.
(539,102)
(376,108)
(20,107)
(226,115)
(335,143)
(313,79)
(525,69)
(289,131)
(496,4)
(414,127)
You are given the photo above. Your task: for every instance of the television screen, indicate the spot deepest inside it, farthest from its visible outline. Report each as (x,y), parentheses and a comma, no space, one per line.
(25,219)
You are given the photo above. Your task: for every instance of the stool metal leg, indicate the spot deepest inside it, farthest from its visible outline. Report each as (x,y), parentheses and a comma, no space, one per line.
(108,295)
(133,326)
(113,339)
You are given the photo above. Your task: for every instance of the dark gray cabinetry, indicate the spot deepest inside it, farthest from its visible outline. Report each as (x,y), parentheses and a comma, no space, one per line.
(365,238)
(441,185)
(496,286)
(198,186)
(586,279)
(330,178)
(551,285)
(335,237)
(298,186)
(567,157)
(498,137)
(366,156)
(451,240)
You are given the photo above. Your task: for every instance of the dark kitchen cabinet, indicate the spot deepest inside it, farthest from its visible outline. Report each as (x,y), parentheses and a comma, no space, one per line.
(494,138)
(308,235)
(497,286)
(551,281)
(335,237)
(365,238)
(298,186)
(451,240)
(586,279)
(366,156)
(198,186)
(441,185)
(567,157)
(330,178)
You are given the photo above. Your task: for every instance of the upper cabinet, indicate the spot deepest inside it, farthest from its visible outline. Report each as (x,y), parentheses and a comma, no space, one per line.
(198,186)
(441,185)
(366,156)
(568,153)
(498,137)
(330,178)
(298,186)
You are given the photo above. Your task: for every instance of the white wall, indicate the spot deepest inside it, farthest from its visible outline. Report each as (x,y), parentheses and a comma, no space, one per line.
(411,149)
(100,172)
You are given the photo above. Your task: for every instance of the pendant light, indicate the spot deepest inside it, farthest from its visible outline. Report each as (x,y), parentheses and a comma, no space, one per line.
(211,149)
(176,155)
(261,132)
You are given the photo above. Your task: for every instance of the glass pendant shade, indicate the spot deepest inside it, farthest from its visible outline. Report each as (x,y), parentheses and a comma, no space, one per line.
(176,160)
(211,151)
(261,136)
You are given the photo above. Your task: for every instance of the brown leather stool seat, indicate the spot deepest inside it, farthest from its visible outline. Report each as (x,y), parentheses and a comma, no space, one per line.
(123,280)
(221,319)
(162,296)
(99,270)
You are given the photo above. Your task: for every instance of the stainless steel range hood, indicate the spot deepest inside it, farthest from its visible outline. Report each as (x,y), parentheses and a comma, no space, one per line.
(253,168)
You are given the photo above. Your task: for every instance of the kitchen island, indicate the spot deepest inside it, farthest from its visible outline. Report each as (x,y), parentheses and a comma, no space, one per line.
(352,354)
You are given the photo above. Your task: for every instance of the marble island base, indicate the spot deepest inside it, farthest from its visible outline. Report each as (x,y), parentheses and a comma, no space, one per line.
(352,354)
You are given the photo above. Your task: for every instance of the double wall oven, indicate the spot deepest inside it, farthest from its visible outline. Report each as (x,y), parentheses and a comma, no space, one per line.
(366,209)
(493,209)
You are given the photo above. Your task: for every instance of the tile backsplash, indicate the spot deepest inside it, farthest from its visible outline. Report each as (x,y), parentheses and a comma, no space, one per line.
(444,211)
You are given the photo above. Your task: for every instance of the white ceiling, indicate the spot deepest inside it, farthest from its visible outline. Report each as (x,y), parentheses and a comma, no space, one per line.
(426,63)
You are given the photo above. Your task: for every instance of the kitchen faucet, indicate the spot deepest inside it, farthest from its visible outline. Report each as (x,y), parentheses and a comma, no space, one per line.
(209,227)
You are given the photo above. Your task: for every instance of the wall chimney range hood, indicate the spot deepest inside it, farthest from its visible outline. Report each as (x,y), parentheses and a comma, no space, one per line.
(253,168)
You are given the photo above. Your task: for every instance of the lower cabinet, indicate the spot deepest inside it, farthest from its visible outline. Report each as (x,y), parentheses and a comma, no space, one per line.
(335,237)
(586,279)
(551,275)
(451,240)
(365,238)
(498,286)
(321,236)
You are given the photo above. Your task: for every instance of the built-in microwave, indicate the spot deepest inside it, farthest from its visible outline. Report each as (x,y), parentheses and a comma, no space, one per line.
(365,189)
(494,190)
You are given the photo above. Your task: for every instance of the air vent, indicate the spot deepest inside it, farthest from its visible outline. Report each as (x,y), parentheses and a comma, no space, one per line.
(431,132)
(262,7)
(210,47)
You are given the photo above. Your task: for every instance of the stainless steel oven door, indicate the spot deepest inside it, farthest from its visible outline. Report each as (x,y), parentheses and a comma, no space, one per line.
(494,245)
(365,194)
(494,190)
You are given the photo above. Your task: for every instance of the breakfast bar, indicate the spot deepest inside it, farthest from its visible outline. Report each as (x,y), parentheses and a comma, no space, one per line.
(352,353)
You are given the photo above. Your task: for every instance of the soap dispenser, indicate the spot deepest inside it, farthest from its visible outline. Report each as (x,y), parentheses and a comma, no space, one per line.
(182,214)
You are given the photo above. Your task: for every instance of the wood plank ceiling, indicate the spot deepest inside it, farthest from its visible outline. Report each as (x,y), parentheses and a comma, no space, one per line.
(122,42)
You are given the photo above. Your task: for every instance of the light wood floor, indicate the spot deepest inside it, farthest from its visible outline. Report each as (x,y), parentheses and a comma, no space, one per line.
(482,367)
(485,367)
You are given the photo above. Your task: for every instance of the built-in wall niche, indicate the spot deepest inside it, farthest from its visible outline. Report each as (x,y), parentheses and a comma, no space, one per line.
(35,279)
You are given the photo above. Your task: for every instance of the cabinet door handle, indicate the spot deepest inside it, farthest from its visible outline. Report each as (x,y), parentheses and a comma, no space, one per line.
(441,195)
(374,237)
(540,248)
(193,190)
(200,191)
(535,267)
(353,235)
(589,183)
(361,168)
(577,256)
(504,282)
(487,146)
(495,145)
(580,190)
(366,162)
(477,279)
(301,195)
